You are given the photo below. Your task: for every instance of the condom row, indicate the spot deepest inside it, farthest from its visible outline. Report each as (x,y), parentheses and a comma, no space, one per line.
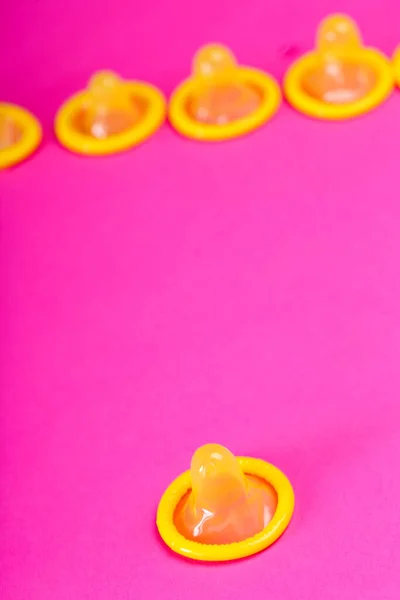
(340,79)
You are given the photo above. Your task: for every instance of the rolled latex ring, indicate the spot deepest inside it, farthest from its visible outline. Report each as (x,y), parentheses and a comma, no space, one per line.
(224,552)
(29,139)
(80,143)
(351,53)
(396,66)
(264,84)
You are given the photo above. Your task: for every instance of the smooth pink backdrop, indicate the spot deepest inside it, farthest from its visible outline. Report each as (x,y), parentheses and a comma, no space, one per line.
(246,293)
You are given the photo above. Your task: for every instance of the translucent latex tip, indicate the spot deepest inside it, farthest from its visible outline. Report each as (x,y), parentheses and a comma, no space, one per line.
(222,96)
(343,75)
(225,505)
(213,60)
(109,108)
(338,34)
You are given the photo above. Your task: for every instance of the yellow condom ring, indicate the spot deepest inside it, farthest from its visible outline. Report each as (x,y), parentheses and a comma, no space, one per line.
(338,45)
(223,552)
(312,107)
(215,66)
(190,128)
(396,66)
(31,135)
(80,143)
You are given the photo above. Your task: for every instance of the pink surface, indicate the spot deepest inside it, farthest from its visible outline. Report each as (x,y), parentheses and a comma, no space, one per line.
(246,293)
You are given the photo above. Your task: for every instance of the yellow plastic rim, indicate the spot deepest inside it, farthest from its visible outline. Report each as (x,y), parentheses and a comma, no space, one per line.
(396,66)
(312,107)
(31,135)
(189,127)
(222,552)
(80,143)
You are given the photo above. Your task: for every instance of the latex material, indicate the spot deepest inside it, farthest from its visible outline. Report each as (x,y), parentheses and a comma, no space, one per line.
(224,505)
(10,133)
(20,134)
(224,103)
(109,108)
(396,65)
(341,78)
(110,116)
(222,100)
(339,83)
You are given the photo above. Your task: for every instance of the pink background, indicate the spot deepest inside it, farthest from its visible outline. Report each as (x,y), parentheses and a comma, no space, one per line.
(246,293)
